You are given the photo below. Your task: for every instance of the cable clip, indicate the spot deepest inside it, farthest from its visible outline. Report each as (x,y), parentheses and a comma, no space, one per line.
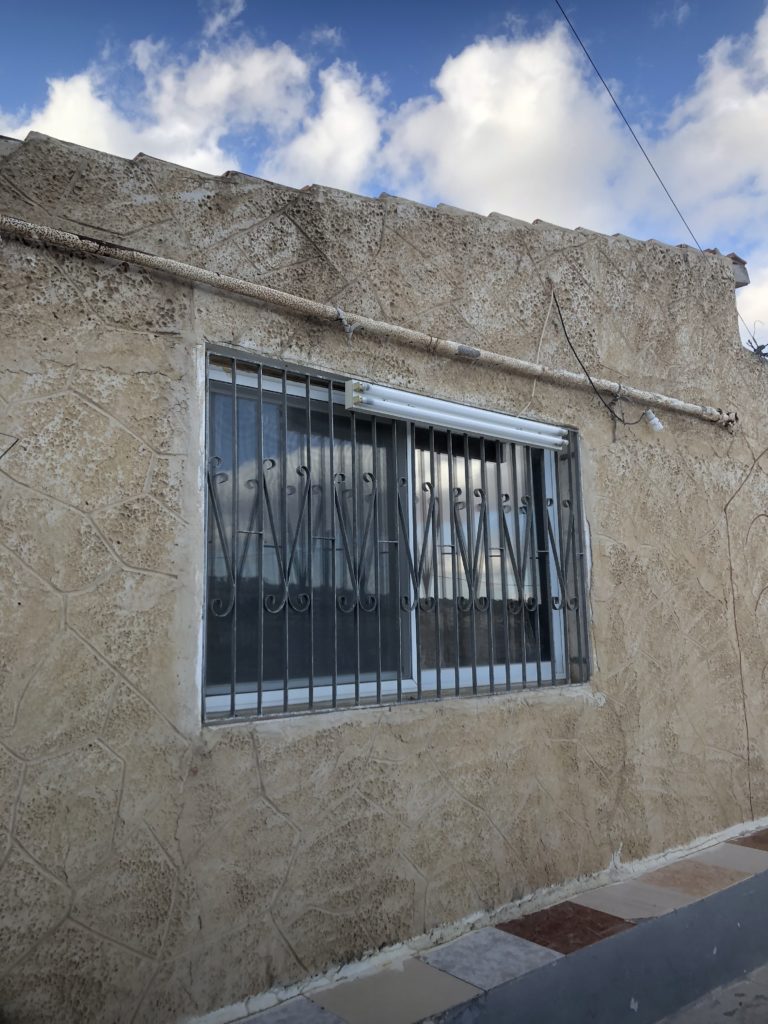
(729,420)
(349,329)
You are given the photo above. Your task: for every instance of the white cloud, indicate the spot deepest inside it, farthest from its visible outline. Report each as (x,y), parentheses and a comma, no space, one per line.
(221,17)
(185,110)
(678,13)
(338,144)
(516,125)
(326,35)
(515,24)
(715,143)
(753,300)
(75,111)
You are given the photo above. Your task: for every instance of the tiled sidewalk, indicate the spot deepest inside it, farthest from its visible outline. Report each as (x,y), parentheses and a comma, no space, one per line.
(417,988)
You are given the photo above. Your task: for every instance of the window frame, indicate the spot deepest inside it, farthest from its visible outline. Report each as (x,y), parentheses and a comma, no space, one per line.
(422,684)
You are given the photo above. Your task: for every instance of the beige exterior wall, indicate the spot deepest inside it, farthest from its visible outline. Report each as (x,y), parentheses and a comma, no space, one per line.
(152,869)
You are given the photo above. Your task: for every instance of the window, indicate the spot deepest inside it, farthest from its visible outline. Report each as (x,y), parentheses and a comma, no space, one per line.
(366,555)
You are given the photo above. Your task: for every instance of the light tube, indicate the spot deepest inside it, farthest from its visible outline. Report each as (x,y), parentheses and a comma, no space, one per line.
(458,422)
(455,409)
(435,412)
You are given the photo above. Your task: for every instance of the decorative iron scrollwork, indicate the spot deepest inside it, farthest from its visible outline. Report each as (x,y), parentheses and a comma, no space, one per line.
(470,560)
(356,566)
(218,607)
(300,602)
(562,564)
(417,559)
(516,605)
(285,555)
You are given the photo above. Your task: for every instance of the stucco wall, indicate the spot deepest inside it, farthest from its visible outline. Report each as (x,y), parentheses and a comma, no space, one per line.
(153,869)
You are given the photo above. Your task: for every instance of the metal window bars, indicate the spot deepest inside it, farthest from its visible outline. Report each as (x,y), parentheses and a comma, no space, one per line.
(353,559)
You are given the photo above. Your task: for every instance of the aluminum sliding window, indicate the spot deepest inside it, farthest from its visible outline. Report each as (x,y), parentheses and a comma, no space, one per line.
(355,558)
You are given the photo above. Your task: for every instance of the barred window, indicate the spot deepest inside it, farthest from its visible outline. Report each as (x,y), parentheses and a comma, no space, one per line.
(368,551)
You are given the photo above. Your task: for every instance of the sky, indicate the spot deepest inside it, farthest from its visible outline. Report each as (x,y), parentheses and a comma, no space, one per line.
(486,106)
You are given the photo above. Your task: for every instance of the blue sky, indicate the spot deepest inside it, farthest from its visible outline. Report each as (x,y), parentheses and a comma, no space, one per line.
(487,106)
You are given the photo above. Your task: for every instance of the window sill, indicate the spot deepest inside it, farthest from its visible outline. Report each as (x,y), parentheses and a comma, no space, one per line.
(546,693)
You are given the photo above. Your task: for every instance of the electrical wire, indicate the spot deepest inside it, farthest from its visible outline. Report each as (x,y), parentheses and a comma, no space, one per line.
(608,405)
(760,349)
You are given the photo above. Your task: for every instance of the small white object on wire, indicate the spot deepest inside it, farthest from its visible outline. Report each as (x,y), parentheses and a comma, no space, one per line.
(653,420)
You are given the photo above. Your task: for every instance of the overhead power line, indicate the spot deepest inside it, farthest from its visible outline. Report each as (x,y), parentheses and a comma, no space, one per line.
(753,340)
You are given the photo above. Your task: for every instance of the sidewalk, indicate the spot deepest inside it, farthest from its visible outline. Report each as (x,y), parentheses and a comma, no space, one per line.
(475,977)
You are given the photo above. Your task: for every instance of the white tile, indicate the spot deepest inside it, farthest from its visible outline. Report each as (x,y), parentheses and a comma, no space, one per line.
(739,858)
(633,899)
(489,957)
(294,1011)
(401,994)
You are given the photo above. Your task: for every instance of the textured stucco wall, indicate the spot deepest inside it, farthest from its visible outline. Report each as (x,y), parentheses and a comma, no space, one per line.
(152,869)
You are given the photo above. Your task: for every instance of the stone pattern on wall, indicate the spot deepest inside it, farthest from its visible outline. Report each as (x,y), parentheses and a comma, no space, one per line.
(152,869)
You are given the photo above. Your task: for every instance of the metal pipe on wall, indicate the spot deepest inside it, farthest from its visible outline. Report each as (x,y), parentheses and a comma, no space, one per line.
(295,304)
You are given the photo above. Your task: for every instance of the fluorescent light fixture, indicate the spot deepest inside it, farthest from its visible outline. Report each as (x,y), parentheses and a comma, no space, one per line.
(462,419)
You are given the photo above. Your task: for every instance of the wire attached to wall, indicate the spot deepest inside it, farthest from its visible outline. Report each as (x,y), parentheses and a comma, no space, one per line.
(753,343)
(619,417)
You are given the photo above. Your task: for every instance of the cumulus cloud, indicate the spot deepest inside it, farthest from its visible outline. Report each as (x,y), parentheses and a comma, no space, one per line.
(338,144)
(185,109)
(514,125)
(715,143)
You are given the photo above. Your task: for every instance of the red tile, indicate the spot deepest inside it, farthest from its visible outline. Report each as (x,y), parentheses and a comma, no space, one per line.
(757,840)
(566,927)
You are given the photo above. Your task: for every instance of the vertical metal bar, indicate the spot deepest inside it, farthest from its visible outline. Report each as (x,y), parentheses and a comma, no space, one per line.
(454,572)
(355,571)
(579,556)
(235,536)
(563,610)
(415,542)
(206,534)
(260,484)
(435,578)
(487,558)
(521,552)
(310,549)
(471,581)
(501,447)
(534,556)
(399,541)
(549,558)
(376,551)
(284,538)
(332,454)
